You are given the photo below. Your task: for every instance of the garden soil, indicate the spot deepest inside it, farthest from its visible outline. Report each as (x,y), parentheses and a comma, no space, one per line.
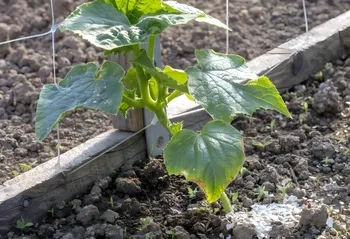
(295,182)
(311,151)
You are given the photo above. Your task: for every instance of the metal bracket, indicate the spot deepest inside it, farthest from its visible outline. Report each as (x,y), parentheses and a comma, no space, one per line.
(156,135)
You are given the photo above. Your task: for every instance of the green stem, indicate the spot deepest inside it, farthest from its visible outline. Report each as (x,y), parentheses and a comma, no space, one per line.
(143,83)
(133,103)
(226,203)
(172,96)
(163,119)
(151,44)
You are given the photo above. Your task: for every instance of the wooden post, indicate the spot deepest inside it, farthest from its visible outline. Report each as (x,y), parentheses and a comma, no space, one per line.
(134,119)
(156,135)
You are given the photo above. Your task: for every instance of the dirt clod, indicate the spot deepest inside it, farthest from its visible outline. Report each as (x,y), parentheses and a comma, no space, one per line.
(128,186)
(87,214)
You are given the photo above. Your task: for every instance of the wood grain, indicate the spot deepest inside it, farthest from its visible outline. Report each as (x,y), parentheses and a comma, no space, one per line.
(33,193)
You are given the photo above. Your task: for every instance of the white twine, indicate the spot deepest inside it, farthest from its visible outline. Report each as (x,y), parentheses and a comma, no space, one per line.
(227,23)
(305,17)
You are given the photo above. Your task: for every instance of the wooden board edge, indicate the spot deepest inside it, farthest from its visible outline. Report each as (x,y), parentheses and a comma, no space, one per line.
(32,194)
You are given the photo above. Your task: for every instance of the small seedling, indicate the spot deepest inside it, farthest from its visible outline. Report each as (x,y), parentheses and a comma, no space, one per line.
(262,193)
(282,192)
(74,206)
(119,28)
(330,210)
(233,196)
(192,193)
(25,167)
(305,106)
(337,233)
(319,76)
(1,150)
(21,224)
(52,211)
(146,221)
(111,201)
(59,146)
(302,119)
(14,173)
(326,160)
(318,181)
(347,151)
(272,125)
(262,145)
(348,231)
(243,171)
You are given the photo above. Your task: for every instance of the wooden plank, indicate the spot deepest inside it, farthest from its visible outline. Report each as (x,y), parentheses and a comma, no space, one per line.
(33,193)
(287,65)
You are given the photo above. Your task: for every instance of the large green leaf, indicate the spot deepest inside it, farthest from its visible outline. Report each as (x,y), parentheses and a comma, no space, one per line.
(84,86)
(211,159)
(146,63)
(186,9)
(217,85)
(105,26)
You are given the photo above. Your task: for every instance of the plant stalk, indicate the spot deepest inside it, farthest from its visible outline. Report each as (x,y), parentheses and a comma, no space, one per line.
(151,44)
(163,120)
(143,83)
(226,203)
(133,103)
(172,96)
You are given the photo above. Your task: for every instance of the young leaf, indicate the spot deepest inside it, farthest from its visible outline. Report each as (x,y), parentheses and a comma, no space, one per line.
(146,63)
(211,159)
(130,81)
(178,75)
(218,86)
(29,224)
(134,9)
(176,127)
(84,86)
(186,9)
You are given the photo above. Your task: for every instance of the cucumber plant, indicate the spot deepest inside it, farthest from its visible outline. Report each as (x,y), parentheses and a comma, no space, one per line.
(221,83)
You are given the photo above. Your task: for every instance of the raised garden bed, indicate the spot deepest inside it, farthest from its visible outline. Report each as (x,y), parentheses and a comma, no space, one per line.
(258,26)
(311,151)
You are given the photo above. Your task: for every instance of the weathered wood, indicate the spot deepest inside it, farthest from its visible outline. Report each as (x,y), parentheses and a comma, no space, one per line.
(134,119)
(33,193)
(133,122)
(287,65)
